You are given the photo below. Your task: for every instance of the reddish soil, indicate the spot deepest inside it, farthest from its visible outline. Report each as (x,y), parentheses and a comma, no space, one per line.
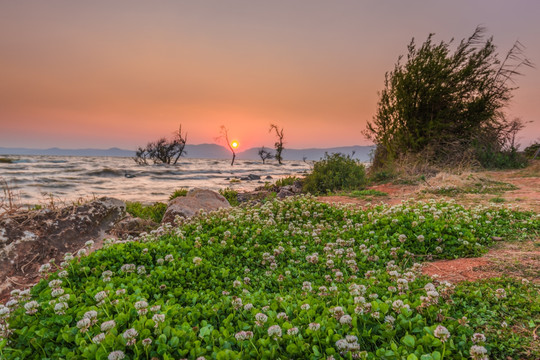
(396,194)
(470,269)
(520,260)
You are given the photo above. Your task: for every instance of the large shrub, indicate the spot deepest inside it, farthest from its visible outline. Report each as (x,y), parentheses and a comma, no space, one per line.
(445,105)
(335,172)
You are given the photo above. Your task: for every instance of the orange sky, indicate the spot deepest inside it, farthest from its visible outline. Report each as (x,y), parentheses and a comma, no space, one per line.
(120,73)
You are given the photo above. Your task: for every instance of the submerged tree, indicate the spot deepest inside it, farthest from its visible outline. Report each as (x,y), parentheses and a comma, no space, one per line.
(446,102)
(278,145)
(224,136)
(163,151)
(265,154)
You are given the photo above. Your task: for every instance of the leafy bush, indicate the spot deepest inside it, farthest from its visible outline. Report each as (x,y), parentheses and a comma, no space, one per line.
(335,172)
(290,279)
(153,212)
(231,196)
(531,150)
(177,193)
(443,104)
(510,159)
(286,181)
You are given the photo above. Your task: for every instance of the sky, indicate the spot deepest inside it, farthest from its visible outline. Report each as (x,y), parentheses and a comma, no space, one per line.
(100,74)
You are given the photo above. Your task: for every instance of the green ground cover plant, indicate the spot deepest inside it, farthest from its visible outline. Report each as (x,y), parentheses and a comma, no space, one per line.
(287,279)
(288,180)
(231,195)
(367,192)
(152,212)
(177,193)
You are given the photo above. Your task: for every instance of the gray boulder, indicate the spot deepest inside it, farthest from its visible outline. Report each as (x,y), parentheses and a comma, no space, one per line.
(283,193)
(195,200)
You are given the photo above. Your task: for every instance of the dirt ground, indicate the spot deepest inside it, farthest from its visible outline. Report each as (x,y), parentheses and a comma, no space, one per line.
(517,259)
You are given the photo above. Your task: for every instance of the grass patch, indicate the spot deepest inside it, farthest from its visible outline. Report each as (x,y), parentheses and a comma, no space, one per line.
(497,200)
(152,212)
(484,186)
(367,192)
(178,193)
(231,196)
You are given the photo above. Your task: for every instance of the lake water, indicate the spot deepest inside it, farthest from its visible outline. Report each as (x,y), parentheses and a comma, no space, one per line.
(35,179)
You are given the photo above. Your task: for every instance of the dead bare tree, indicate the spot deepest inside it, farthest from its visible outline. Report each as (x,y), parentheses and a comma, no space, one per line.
(224,136)
(265,154)
(279,143)
(163,151)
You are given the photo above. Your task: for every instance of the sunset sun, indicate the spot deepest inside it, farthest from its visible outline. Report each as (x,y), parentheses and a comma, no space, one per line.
(234,144)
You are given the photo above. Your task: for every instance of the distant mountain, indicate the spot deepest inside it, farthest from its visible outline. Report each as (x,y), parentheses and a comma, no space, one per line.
(202,151)
(68,152)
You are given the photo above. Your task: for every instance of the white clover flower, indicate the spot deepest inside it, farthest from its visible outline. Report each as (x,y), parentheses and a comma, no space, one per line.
(197,260)
(117,355)
(342,345)
(57,292)
(63,274)
(4,311)
(305,307)
(282,315)
(155,308)
(100,296)
(158,319)
(98,338)
(31,307)
(441,333)
(478,338)
(248,307)
(91,314)
(292,331)
(108,325)
(478,352)
(83,324)
(345,320)
(260,318)
(314,326)
(89,243)
(500,294)
(147,342)
(55,283)
(128,268)
(81,252)
(274,331)
(45,268)
(59,308)
(130,335)
(243,335)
